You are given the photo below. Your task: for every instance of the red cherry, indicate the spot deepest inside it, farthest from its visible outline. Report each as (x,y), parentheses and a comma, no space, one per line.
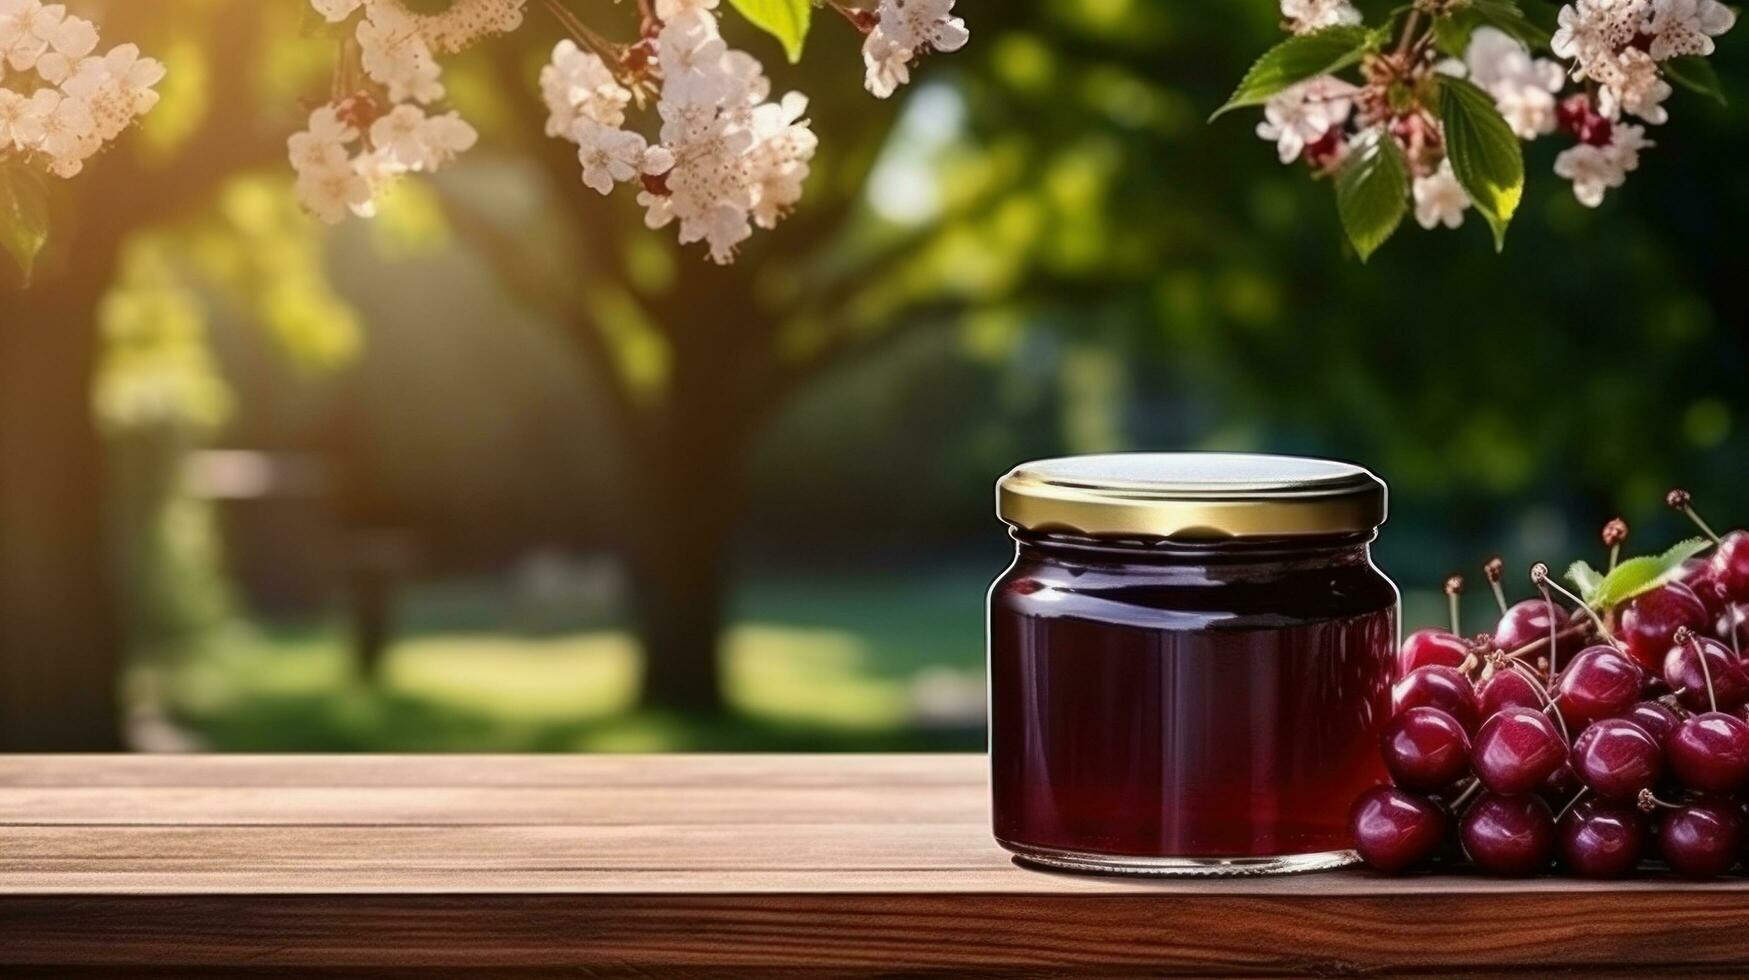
(1701,839)
(1517,751)
(1731,566)
(1710,752)
(1601,682)
(1526,623)
(1658,719)
(1686,674)
(1508,835)
(1432,647)
(1425,749)
(1444,688)
(1698,576)
(1394,830)
(1734,619)
(1507,689)
(1617,759)
(1601,839)
(1649,622)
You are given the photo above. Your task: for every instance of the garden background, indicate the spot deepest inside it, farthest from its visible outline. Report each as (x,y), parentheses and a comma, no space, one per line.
(504,470)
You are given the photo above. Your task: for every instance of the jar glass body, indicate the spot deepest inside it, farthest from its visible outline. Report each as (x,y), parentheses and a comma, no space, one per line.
(1170,707)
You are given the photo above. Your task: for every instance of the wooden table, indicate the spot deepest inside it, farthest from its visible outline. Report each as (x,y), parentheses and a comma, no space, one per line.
(709,866)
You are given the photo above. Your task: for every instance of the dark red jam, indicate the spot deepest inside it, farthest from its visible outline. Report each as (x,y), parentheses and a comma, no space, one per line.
(1162,705)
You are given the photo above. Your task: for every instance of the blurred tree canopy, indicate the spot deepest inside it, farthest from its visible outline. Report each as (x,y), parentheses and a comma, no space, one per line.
(1041,246)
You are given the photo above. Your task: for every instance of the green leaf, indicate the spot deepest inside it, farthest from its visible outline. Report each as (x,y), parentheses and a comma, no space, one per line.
(24,215)
(1697,75)
(1586,579)
(1484,153)
(1507,16)
(1297,59)
(1639,575)
(786,20)
(1372,191)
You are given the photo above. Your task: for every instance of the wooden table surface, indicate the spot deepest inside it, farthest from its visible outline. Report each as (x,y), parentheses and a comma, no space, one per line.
(710,866)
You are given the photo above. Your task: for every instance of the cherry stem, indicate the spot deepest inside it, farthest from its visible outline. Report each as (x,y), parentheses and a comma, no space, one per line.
(1493,571)
(1614,556)
(1469,791)
(1554,630)
(1542,691)
(1705,671)
(1454,587)
(1736,626)
(1705,528)
(1536,646)
(1540,575)
(1648,801)
(1572,803)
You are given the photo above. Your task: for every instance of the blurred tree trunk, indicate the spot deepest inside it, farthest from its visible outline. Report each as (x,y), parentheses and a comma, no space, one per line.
(689,486)
(59,620)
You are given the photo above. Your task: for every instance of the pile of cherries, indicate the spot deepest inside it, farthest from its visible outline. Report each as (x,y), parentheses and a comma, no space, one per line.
(1591,738)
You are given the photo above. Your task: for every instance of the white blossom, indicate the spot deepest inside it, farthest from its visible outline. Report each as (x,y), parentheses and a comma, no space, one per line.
(904,29)
(608,155)
(330,194)
(336,11)
(1687,27)
(68,42)
(1304,113)
(577,84)
(1440,199)
(25,26)
(1595,170)
(1309,16)
(1523,87)
(396,56)
(1635,86)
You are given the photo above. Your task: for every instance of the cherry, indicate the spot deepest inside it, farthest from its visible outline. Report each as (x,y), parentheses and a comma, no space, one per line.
(1601,682)
(1658,719)
(1507,688)
(1710,752)
(1394,830)
(1731,566)
(1730,561)
(1705,674)
(1508,835)
(1617,759)
(1701,839)
(1516,751)
(1733,626)
(1445,688)
(1601,839)
(1561,785)
(1649,622)
(1432,647)
(1425,749)
(1697,574)
(1526,623)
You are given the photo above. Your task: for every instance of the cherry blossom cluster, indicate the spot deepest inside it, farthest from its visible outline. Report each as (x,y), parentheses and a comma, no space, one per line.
(718,157)
(899,31)
(60,102)
(1607,80)
(355,146)
(725,157)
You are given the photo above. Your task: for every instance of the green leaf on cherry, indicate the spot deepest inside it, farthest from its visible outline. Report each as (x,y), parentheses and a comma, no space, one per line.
(1297,59)
(24,215)
(1588,580)
(1637,576)
(1484,152)
(1372,191)
(786,20)
(1696,74)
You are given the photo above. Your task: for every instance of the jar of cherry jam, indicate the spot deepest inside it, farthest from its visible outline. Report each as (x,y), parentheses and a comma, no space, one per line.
(1190,662)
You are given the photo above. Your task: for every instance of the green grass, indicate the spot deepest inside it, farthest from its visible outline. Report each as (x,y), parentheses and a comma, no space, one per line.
(823,665)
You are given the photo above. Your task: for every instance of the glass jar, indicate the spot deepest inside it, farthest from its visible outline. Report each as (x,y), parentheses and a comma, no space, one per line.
(1190,661)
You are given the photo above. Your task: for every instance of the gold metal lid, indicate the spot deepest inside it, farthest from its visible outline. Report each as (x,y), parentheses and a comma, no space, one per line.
(1192,496)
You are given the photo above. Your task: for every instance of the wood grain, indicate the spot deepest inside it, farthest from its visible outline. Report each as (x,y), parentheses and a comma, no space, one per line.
(712,866)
